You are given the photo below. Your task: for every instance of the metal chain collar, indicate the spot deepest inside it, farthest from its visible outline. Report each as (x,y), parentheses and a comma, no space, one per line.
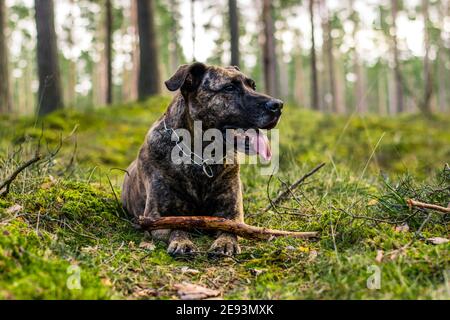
(192,155)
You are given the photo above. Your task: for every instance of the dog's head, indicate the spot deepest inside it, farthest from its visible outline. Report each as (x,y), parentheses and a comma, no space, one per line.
(225,98)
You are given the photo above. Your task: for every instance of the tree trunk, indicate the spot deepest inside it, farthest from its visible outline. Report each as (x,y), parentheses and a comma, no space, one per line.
(134,86)
(50,93)
(149,77)
(340,87)
(314,80)
(444,45)
(397,72)
(5,91)
(108,48)
(194,27)
(269,55)
(299,81)
(360,85)
(330,61)
(428,81)
(70,94)
(382,96)
(234,32)
(174,29)
(283,76)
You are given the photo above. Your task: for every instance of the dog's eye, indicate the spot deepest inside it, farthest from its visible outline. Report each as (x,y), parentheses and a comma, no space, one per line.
(229,88)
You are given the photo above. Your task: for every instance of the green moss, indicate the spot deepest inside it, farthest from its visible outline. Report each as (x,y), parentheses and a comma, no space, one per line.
(73,219)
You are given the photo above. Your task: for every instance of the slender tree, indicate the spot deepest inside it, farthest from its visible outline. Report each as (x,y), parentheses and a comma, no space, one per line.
(108,48)
(428,81)
(5,93)
(443,83)
(71,75)
(314,79)
(134,87)
(269,54)
(174,57)
(397,72)
(50,93)
(233,20)
(299,80)
(329,55)
(194,28)
(360,84)
(149,76)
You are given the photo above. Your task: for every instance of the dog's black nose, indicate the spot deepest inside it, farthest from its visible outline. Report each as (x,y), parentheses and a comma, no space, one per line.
(274,105)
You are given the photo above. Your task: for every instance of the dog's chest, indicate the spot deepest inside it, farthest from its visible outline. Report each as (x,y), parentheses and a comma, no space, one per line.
(188,191)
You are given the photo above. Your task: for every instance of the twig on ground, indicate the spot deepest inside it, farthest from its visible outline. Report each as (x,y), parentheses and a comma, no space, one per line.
(219,224)
(271,204)
(395,222)
(413,203)
(423,224)
(288,188)
(7,183)
(283,195)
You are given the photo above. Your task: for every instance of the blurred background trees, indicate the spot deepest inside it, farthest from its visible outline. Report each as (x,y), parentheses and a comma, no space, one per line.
(5,94)
(361,56)
(50,90)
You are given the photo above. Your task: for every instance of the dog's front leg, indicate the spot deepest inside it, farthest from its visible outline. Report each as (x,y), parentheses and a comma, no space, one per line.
(225,244)
(231,207)
(179,243)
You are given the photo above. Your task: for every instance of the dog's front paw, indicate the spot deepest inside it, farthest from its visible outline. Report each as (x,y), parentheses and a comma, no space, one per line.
(225,245)
(180,246)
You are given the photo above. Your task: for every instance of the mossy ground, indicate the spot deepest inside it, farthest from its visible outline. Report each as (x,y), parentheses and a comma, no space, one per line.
(69,216)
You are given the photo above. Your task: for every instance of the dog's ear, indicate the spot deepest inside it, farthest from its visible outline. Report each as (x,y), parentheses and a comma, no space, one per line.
(187,77)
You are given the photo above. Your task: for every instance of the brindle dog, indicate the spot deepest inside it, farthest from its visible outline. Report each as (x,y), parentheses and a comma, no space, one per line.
(155,187)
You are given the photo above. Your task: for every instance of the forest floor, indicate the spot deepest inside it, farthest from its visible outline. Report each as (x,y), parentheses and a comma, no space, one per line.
(61,221)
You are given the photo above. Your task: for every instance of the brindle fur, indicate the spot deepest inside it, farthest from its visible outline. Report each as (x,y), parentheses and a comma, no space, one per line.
(154,186)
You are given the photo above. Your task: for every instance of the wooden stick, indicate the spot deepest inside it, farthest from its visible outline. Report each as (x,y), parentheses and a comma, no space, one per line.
(414,203)
(7,183)
(283,195)
(219,224)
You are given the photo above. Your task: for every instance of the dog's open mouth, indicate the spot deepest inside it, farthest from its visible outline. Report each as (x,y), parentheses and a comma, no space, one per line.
(253,141)
(249,141)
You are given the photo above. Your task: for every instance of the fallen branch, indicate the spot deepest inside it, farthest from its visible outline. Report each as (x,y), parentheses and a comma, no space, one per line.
(290,189)
(413,203)
(7,183)
(219,224)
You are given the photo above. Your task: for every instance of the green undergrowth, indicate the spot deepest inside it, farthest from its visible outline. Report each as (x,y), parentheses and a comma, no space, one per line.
(63,234)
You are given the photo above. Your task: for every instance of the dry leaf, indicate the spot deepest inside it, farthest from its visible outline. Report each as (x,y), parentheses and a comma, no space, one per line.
(145,293)
(372,202)
(89,249)
(14,209)
(437,240)
(313,255)
(190,291)
(402,228)
(147,246)
(189,270)
(380,255)
(106,281)
(48,183)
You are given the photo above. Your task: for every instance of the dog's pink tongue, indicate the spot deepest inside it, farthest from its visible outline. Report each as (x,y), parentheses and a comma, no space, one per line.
(260,144)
